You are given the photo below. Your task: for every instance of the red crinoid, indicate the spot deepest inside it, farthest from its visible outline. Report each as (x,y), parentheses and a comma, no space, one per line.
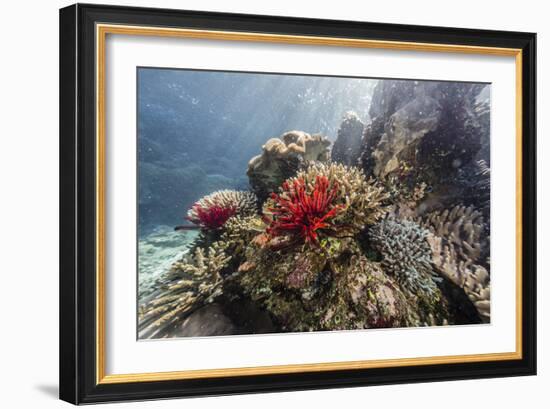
(212,211)
(211,217)
(302,213)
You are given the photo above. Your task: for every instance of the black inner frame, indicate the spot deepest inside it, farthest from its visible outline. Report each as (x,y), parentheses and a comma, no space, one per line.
(78,198)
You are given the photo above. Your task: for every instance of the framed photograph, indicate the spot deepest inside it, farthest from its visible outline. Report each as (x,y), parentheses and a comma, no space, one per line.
(258,203)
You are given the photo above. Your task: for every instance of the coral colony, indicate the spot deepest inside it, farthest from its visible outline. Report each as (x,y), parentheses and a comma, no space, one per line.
(343,239)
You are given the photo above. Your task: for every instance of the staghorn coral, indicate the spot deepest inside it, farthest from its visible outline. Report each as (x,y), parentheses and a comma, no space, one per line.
(460,253)
(406,254)
(188,285)
(282,157)
(212,211)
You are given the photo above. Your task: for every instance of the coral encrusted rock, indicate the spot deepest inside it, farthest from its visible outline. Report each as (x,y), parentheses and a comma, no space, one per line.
(430,132)
(347,147)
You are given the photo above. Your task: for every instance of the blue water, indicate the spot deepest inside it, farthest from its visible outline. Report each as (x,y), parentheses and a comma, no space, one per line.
(197,130)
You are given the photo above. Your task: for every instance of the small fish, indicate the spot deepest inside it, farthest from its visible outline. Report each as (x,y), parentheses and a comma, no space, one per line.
(186,227)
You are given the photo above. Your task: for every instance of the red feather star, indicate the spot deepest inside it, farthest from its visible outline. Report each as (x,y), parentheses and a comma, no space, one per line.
(212,217)
(301,214)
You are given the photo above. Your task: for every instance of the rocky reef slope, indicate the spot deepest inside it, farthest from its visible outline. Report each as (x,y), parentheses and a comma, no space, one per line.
(389,229)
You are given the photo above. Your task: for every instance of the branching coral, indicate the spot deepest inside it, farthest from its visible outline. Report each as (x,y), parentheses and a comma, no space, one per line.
(363,199)
(406,254)
(212,211)
(189,285)
(325,200)
(237,234)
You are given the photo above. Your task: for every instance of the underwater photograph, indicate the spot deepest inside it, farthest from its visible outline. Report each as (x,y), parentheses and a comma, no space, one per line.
(277,203)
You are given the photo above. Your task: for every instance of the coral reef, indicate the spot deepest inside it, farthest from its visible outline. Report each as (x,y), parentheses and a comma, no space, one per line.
(347,147)
(390,228)
(212,211)
(330,249)
(308,269)
(282,157)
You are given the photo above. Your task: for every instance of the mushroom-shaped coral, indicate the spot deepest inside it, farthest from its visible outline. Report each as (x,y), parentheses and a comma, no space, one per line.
(212,211)
(282,157)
